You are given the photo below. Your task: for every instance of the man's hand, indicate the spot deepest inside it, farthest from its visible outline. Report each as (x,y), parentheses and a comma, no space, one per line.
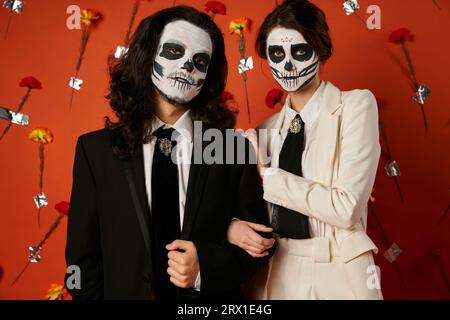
(183,263)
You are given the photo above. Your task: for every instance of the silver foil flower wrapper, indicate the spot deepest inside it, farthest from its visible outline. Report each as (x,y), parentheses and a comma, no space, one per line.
(41,200)
(120,52)
(19,118)
(392,253)
(14,5)
(422,94)
(75,83)
(393,170)
(246,65)
(34,254)
(350,6)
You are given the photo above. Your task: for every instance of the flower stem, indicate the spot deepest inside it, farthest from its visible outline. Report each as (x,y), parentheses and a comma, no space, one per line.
(244,74)
(444,276)
(130,25)
(385,238)
(444,215)
(242,45)
(8,24)
(41,177)
(84,38)
(412,71)
(361,19)
(46,237)
(384,138)
(51,230)
(22,103)
(380,225)
(21,273)
(399,189)
(415,82)
(424,116)
(437,4)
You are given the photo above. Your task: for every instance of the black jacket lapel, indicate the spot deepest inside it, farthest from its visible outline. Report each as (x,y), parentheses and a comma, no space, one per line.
(197,178)
(135,174)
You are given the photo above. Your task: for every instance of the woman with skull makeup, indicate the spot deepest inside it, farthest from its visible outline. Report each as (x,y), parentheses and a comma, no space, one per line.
(318,172)
(144,222)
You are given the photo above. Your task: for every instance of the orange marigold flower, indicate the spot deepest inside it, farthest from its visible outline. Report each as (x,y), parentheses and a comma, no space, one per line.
(41,135)
(240,24)
(89,16)
(56,292)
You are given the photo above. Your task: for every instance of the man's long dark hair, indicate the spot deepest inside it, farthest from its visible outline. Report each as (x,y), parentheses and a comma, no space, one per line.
(132,93)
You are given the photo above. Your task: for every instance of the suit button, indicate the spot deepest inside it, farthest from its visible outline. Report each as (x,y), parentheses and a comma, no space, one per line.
(147,278)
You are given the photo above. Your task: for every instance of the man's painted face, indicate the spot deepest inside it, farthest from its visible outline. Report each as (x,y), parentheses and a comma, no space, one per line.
(293,61)
(182,61)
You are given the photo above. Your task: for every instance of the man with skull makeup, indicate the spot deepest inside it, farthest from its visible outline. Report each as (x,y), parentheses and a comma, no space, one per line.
(323,153)
(144,222)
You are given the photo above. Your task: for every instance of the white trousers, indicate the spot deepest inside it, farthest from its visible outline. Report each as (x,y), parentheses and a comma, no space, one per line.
(312,270)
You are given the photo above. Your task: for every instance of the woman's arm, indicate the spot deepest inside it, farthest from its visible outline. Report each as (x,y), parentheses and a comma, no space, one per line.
(341,204)
(83,234)
(224,265)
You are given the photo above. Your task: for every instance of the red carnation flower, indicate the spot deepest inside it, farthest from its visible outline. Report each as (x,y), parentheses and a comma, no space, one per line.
(63,207)
(400,35)
(215,7)
(31,83)
(226,96)
(227,99)
(274,97)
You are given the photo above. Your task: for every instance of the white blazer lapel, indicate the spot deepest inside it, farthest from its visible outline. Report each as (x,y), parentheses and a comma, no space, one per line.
(328,134)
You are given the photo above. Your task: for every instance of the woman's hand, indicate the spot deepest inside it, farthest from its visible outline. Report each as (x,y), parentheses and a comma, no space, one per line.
(261,164)
(244,235)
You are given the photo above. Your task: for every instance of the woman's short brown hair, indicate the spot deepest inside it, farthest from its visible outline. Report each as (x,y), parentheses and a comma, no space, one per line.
(303,16)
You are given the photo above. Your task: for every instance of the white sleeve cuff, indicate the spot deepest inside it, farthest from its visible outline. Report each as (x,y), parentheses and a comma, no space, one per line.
(198,282)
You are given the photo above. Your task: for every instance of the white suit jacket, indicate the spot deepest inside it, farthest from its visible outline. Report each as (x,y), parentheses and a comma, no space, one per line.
(346,158)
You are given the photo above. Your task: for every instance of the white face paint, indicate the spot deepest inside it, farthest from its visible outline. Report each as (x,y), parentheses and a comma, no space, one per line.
(293,61)
(182,61)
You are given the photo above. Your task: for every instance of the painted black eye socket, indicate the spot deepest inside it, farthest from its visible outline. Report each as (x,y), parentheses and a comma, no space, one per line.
(276,54)
(302,51)
(172,51)
(201,61)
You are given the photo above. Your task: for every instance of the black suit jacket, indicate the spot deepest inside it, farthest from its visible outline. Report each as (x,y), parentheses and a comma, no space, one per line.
(108,227)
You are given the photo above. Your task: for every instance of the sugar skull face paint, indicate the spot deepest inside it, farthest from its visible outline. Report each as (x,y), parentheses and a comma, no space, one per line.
(182,61)
(293,62)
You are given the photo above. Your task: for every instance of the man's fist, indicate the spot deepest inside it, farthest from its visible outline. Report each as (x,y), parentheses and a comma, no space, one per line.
(183,263)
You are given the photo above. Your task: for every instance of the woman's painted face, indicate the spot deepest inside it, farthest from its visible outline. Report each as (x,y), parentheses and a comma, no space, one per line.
(293,61)
(182,61)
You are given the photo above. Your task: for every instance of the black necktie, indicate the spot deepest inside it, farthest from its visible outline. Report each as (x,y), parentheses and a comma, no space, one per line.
(288,223)
(165,210)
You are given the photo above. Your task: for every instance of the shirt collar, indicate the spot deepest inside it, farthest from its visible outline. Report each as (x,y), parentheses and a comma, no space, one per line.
(310,111)
(183,126)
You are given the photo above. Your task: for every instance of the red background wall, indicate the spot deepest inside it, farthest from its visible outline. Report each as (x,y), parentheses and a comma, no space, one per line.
(39,44)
